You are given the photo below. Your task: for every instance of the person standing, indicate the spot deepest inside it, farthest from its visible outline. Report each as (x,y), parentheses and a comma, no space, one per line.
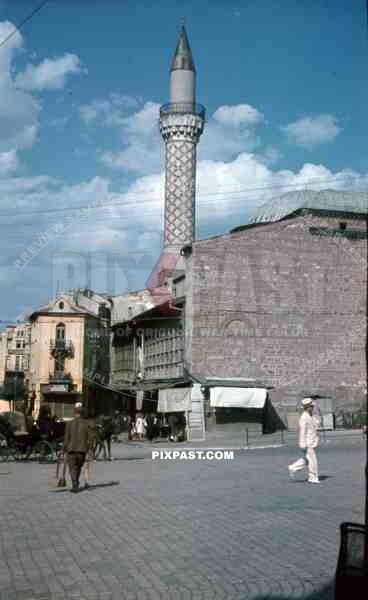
(308,442)
(150,427)
(132,430)
(77,442)
(141,425)
(173,422)
(108,428)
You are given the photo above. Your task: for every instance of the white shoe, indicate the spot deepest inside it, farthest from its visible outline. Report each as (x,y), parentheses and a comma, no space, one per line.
(291,473)
(314,481)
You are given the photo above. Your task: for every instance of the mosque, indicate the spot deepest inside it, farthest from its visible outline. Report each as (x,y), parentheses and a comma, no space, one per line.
(275,309)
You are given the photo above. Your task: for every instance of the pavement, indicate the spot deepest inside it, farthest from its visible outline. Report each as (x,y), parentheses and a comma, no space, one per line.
(180,529)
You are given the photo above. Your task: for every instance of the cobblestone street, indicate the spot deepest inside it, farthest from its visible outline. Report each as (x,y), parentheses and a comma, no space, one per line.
(189,530)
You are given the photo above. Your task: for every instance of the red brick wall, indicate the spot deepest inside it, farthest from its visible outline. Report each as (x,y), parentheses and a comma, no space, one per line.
(243,289)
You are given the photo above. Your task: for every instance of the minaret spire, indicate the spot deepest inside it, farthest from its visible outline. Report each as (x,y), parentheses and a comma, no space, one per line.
(181,125)
(183,58)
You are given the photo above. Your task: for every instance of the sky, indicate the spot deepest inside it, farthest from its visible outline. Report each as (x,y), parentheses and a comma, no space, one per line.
(285,89)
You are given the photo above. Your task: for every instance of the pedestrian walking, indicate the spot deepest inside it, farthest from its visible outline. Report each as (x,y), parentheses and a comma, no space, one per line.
(173,422)
(77,442)
(109,428)
(150,418)
(308,442)
(140,424)
(104,433)
(132,435)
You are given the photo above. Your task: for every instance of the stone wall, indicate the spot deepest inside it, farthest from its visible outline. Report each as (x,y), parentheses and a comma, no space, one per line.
(283,302)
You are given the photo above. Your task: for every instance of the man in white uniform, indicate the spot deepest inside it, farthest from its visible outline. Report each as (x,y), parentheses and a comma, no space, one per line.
(308,441)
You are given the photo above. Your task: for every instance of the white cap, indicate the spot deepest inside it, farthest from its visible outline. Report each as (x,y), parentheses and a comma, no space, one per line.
(78,405)
(307,402)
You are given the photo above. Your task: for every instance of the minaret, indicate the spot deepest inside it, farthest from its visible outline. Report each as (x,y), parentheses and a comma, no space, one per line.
(181,125)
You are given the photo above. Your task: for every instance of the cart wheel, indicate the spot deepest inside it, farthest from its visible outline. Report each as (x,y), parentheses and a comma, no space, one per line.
(44,451)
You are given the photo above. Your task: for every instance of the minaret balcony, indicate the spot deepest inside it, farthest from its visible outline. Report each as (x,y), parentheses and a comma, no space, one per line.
(61,348)
(183,108)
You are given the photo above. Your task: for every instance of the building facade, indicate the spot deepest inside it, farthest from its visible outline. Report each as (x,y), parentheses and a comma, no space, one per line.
(14,366)
(285,296)
(70,353)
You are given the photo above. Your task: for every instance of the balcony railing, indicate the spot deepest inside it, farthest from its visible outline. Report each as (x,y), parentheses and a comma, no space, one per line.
(59,377)
(183,108)
(61,348)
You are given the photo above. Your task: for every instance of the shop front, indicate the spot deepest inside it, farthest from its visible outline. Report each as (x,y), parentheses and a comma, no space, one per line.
(251,407)
(175,405)
(60,399)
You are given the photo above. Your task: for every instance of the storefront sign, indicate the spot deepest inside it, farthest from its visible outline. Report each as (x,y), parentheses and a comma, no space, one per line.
(237,397)
(56,387)
(174,400)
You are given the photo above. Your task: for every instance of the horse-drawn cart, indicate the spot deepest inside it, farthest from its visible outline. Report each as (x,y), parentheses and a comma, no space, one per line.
(22,439)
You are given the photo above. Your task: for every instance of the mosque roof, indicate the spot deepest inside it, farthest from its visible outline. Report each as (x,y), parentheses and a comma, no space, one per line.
(325,200)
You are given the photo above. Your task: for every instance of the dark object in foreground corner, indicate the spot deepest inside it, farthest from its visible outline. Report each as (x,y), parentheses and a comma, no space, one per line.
(352,569)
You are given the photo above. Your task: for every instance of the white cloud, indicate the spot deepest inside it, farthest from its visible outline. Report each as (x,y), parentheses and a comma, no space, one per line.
(239,114)
(227,192)
(50,74)
(270,155)
(8,162)
(111,111)
(235,189)
(143,122)
(312,131)
(140,136)
(90,112)
(228,133)
(19,111)
(221,142)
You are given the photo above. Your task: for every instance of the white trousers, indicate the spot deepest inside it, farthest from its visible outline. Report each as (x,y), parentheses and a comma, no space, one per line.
(310,459)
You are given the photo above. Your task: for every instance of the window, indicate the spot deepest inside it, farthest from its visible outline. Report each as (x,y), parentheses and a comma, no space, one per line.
(60,331)
(342,226)
(61,305)
(18,362)
(18,345)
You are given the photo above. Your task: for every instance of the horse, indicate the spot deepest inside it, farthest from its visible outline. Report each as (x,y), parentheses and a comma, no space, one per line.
(105,428)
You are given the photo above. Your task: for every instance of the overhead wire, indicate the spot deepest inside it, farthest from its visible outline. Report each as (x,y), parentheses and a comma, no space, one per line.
(144,197)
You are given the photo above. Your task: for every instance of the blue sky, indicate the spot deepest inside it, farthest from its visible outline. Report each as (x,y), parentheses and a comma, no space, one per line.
(284,84)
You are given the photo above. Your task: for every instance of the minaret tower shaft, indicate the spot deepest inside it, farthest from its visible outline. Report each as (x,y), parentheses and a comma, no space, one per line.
(181,125)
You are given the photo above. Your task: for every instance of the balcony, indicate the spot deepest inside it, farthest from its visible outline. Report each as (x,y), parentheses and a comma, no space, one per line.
(183,108)
(60,377)
(59,383)
(61,348)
